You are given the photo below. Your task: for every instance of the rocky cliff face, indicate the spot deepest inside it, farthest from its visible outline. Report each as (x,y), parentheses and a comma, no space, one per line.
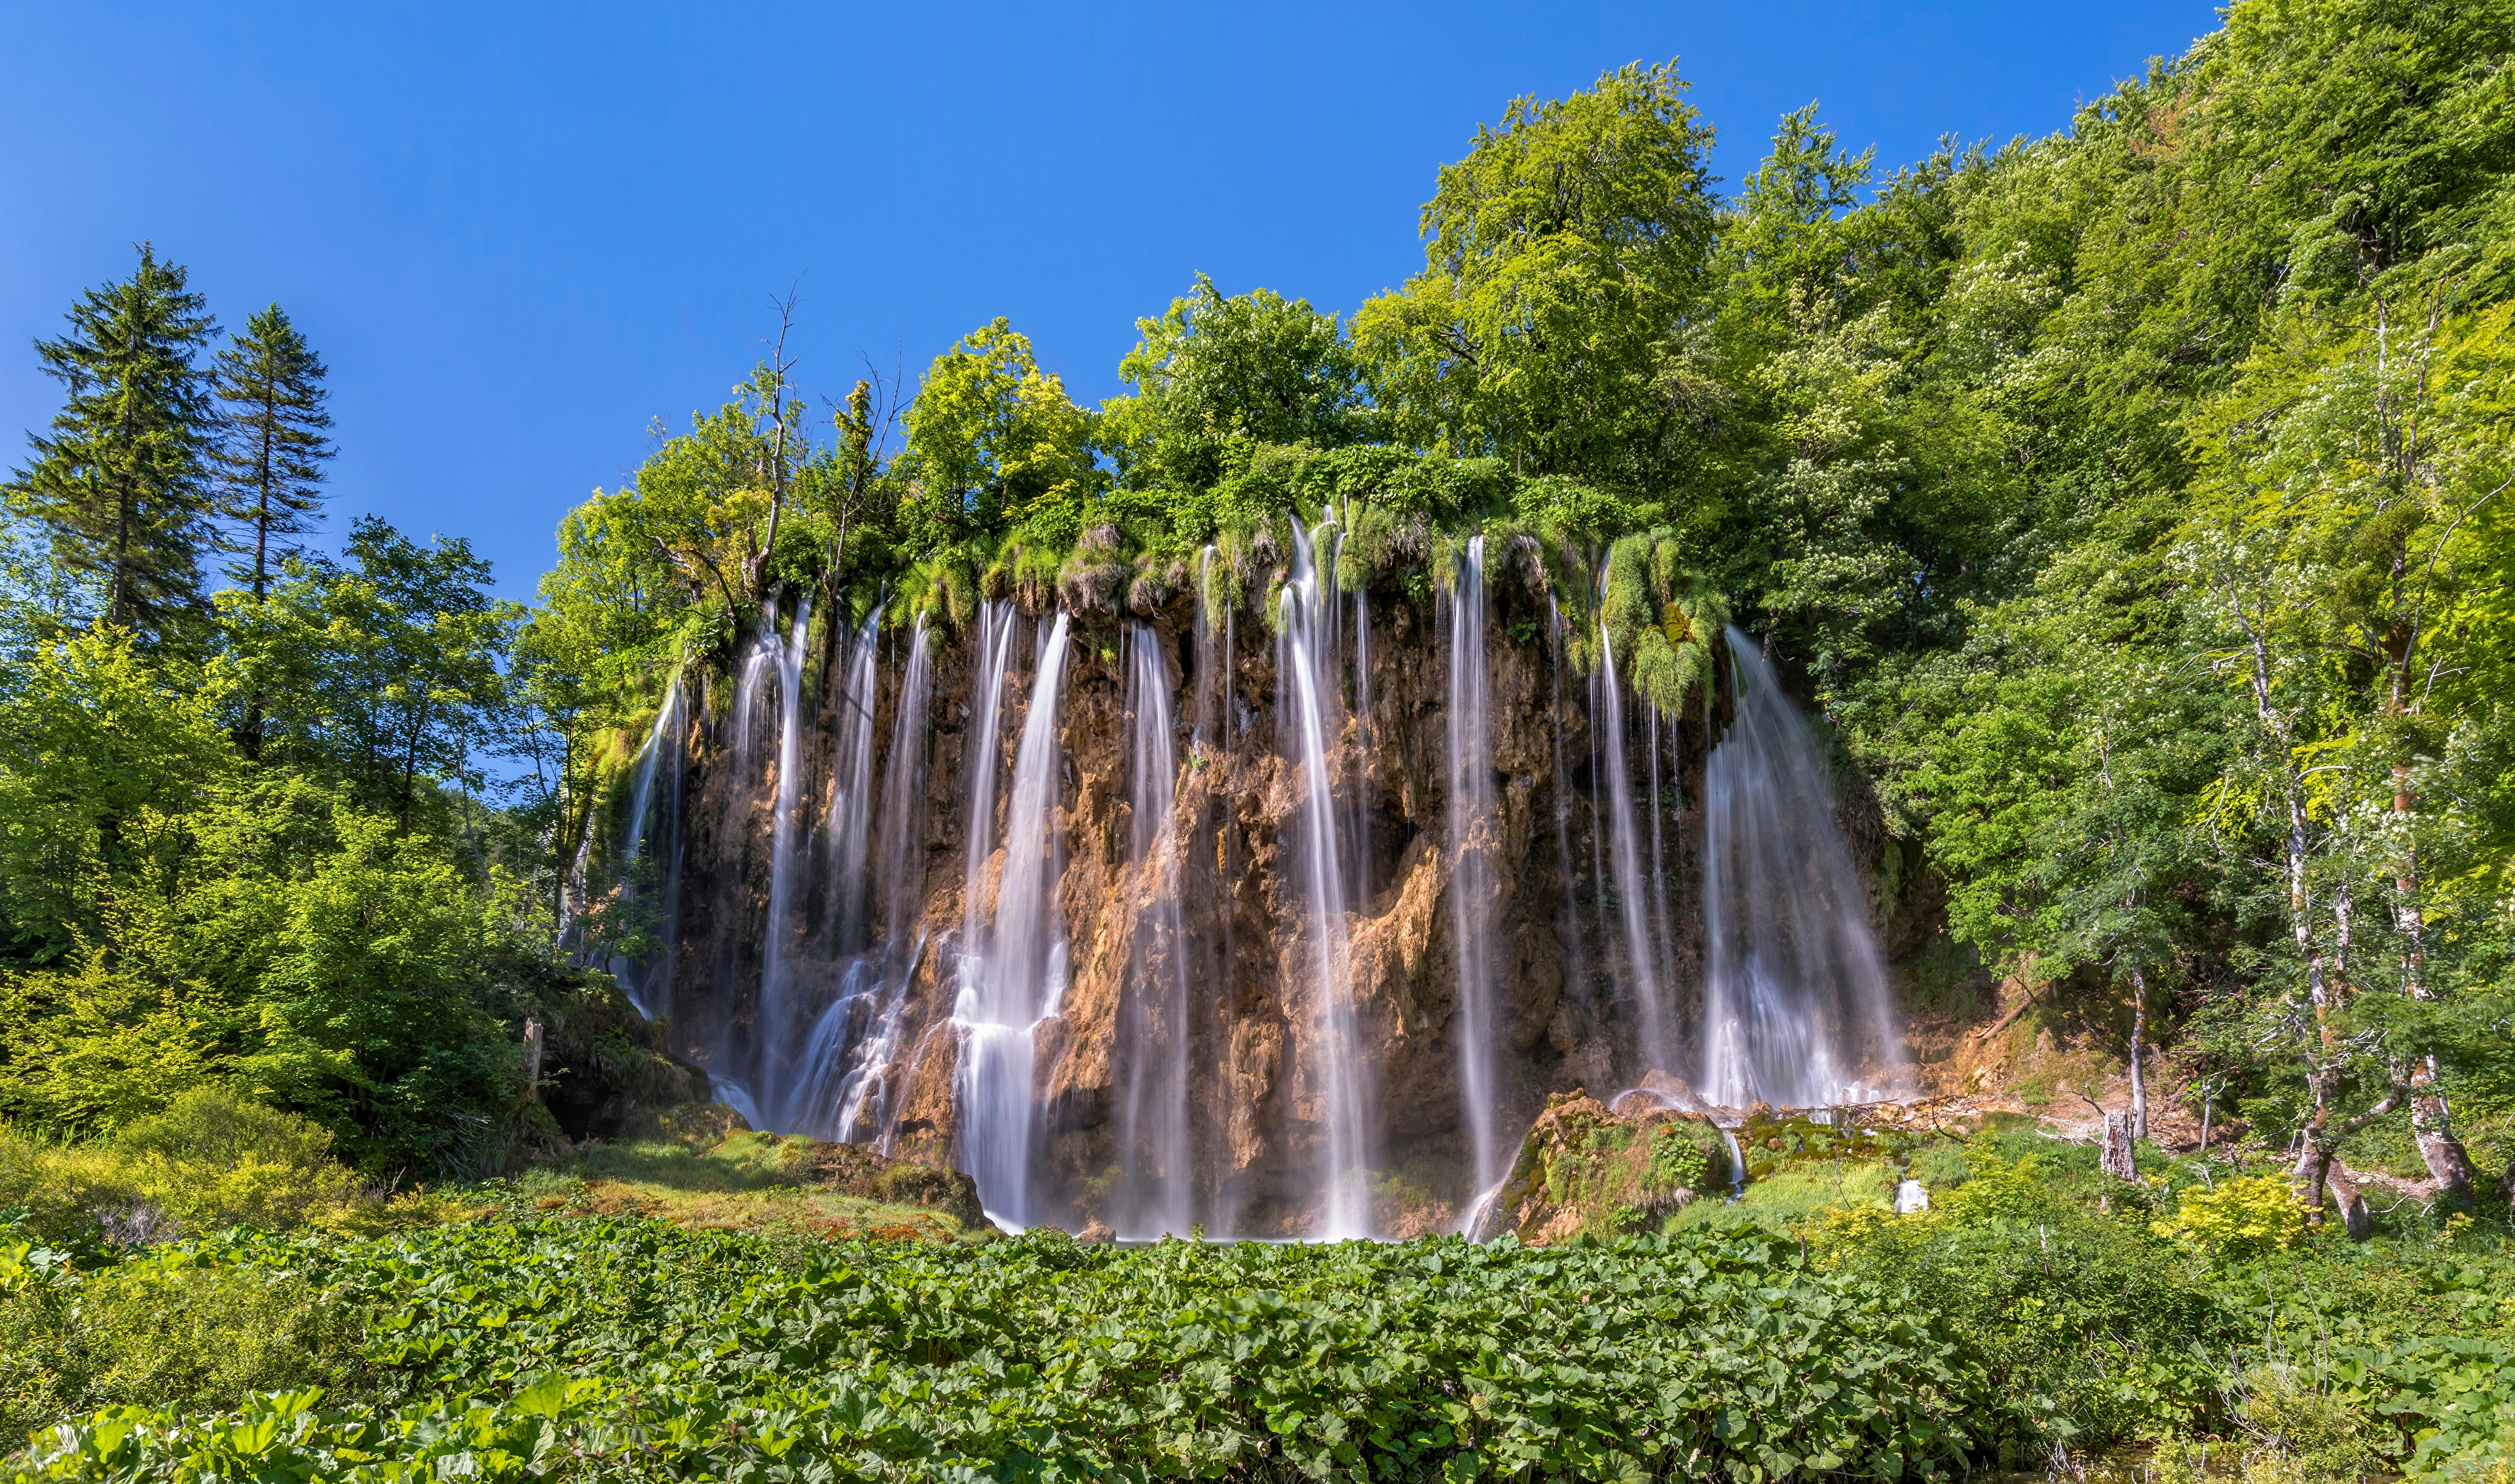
(1563,982)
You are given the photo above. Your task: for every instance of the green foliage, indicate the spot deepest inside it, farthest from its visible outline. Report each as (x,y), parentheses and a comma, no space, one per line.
(271,461)
(1213,373)
(2246,1218)
(378,676)
(1041,1357)
(208,1161)
(1661,618)
(1678,1161)
(994,443)
(1564,253)
(121,486)
(103,747)
(175,1328)
(2097,1327)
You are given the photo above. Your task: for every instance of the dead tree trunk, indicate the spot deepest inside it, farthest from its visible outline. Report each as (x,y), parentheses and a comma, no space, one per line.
(2355,1219)
(2138,1052)
(2120,1153)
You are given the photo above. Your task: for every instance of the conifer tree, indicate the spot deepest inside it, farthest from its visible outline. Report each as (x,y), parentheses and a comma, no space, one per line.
(122,483)
(271,461)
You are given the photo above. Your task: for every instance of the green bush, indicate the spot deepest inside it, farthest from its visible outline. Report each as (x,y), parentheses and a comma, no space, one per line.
(2097,1326)
(166,1332)
(2246,1218)
(212,1159)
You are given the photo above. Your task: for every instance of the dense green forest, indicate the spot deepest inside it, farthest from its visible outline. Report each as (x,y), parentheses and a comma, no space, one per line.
(2133,504)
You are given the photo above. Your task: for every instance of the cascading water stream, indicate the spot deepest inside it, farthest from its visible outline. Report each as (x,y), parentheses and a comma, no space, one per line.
(1303,715)
(1659,908)
(849,829)
(1796,999)
(1474,897)
(855,1035)
(1625,851)
(1155,1191)
(1573,936)
(634,978)
(771,1031)
(1013,974)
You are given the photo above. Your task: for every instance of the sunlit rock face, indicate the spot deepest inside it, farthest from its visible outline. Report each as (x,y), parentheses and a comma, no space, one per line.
(1245,1014)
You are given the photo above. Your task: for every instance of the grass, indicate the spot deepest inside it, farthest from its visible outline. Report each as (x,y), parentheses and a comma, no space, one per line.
(695,1168)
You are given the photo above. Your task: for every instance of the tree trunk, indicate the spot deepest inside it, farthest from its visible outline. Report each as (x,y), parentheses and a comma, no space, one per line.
(2355,1219)
(2449,1164)
(2138,1053)
(2313,1169)
(2121,1154)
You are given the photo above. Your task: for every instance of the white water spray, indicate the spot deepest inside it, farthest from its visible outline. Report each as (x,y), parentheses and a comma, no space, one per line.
(1013,974)
(1303,711)
(771,1034)
(1474,900)
(1625,851)
(1155,1193)
(1796,999)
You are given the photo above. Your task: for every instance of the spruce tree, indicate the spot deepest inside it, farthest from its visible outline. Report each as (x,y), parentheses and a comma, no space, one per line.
(272,461)
(122,483)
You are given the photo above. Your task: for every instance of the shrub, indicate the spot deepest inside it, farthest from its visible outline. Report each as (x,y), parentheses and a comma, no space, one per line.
(2246,1218)
(2095,1326)
(657,1353)
(211,1160)
(2020,1187)
(163,1331)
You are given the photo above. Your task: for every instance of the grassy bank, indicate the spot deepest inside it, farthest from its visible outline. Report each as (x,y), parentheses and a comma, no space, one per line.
(699,1302)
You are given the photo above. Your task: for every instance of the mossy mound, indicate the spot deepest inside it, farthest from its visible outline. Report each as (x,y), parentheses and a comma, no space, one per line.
(1643,1165)
(701,1165)
(1585,1169)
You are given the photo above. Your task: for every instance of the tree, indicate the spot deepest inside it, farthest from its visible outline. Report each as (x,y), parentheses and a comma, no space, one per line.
(103,749)
(994,441)
(271,461)
(1566,251)
(382,677)
(122,483)
(1256,366)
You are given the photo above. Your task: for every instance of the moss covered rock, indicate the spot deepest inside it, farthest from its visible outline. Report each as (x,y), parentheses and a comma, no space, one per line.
(1585,1168)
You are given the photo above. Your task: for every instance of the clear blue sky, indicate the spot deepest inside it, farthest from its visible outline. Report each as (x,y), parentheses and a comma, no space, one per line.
(519,232)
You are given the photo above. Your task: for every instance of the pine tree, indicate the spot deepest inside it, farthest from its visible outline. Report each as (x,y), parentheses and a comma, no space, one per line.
(122,484)
(272,461)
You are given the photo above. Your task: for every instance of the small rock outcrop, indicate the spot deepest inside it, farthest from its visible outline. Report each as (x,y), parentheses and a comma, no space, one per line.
(1587,1169)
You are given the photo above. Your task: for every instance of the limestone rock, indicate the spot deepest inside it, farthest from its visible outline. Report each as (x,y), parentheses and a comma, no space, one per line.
(1586,1169)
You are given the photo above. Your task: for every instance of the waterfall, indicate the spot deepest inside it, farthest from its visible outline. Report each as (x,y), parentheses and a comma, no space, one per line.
(770,1033)
(634,977)
(1578,974)
(851,803)
(1013,972)
(1796,997)
(847,1084)
(1666,961)
(903,791)
(1155,1193)
(641,793)
(1361,808)
(1305,714)
(1625,850)
(1473,898)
